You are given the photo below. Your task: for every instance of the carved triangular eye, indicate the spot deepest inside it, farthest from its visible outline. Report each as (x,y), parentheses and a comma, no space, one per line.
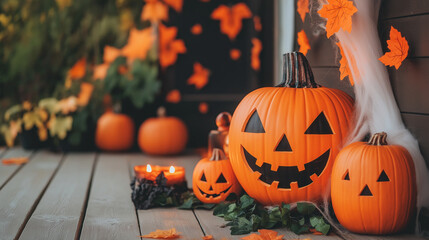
(254,125)
(221,179)
(203,178)
(319,126)
(283,145)
(383,177)
(346,176)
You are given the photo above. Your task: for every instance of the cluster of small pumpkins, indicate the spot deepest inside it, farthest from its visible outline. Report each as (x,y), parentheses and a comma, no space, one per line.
(285,146)
(162,135)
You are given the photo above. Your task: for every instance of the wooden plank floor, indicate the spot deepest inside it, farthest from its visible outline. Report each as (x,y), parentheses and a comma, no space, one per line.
(87,196)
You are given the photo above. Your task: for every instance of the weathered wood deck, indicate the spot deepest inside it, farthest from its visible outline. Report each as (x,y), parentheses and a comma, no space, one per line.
(87,196)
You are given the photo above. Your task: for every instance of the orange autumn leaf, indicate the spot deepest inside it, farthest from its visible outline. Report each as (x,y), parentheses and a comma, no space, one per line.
(100,71)
(163,234)
(154,11)
(304,46)
(302,8)
(110,54)
(235,54)
(255,62)
(231,18)
(315,232)
(173,96)
(208,237)
(84,94)
(79,69)
(200,77)
(197,29)
(15,160)
(344,66)
(139,43)
(257,23)
(175,4)
(398,47)
(169,46)
(203,108)
(264,234)
(339,14)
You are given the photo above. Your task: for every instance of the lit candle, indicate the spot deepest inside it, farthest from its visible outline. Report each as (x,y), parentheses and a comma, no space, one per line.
(174,175)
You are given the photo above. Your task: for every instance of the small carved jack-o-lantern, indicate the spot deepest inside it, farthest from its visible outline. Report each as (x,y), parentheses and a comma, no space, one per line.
(283,140)
(373,188)
(213,179)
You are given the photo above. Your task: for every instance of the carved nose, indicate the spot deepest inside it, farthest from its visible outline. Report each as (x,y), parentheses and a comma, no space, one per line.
(283,145)
(366,191)
(210,189)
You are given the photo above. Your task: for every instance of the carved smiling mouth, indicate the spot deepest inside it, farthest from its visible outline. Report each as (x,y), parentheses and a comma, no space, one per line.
(207,195)
(285,175)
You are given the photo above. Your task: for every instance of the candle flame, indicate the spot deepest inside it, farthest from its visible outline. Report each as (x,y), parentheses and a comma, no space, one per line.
(148,168)
(172,169)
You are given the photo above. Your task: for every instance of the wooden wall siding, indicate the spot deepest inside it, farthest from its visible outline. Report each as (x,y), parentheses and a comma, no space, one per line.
(410,83)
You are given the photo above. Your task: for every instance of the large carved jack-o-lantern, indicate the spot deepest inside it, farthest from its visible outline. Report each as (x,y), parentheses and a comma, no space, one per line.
(283,140)
(373,186)
(213,179)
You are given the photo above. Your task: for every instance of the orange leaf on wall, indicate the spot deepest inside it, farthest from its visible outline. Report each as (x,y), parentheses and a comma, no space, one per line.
(163,234)
(235,54)
(339,15)
(257,23)
(78,70)
(200,77)
(169,46)
(255,62)
(344,66)
(154,11)
(139,43)
(231,18)
(173,96)
(175,4)
(398,47)
(203,108)
(264,234)
(302,8)
(304,46)
(197,29)
(100,71)
(110,54)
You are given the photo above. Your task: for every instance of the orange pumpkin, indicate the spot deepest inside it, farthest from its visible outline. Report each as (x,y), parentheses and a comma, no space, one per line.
(213,179)
(114,132)
(163,135)
(373,187)
(283,140)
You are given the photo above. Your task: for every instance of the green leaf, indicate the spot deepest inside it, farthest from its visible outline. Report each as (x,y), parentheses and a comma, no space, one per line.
(221,209)
(305,208)
(255,220)
(323,228)
(232,207)
(301,221)
(298,229)
(319,224)
(246,201)
(187,204)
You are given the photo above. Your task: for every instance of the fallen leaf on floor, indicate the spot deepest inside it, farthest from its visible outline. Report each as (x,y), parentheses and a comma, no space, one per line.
(339,15)
(208,237)
(315,232)
(398,47)
(264,234)
(15,160)
(163,234)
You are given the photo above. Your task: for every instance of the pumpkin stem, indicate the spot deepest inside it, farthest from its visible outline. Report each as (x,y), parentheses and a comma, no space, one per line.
(217,155)
(297,72)
(161,112)
(223,121)
(378,139)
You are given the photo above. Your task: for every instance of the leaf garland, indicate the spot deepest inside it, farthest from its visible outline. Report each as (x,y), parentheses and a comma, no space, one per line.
(246,215)
(200,77)
(398,47)
(231,18)
(339,15)
(255,62)
(344,66)
(302,8)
